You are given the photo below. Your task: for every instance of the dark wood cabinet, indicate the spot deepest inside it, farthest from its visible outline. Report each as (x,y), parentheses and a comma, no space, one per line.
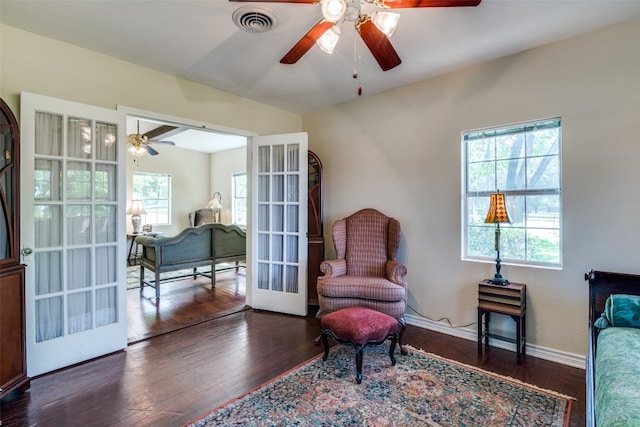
(314,231)
(13,361)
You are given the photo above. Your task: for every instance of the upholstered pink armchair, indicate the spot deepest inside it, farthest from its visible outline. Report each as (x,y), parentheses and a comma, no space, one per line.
(365,272)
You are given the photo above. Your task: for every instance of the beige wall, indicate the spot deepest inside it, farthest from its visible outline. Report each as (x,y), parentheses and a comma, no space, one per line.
(44,66)
(400,152)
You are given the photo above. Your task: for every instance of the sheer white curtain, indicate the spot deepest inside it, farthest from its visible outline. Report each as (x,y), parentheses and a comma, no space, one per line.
(70,298)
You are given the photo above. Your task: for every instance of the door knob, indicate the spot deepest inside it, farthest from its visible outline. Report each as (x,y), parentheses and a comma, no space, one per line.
(26,252)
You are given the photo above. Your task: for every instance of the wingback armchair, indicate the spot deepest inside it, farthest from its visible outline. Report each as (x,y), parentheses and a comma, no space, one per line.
(365,272)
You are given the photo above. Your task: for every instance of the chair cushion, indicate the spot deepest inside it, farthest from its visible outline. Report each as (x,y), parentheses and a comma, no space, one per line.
(372,288)
(359,325)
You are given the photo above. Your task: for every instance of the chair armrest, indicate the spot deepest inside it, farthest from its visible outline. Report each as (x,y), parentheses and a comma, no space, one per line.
(395,271)
(334,267)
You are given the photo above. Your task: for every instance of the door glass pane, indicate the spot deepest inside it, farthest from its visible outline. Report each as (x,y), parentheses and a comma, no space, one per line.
(48,134)
(48,274)
(263,247)
(292,248)
(276,248)
(49,319)
(79,317)
(293,160)
(105,265)
(78,224)
(105,223)
(292,219)
(106,306)
(48,180)
(79,181)
(105,182)
(292,188)
(79,142)
(106,144)
(78,268)
(263,275)
(263,218)
(276,278)
(263,188)
(48,225)
(263,159)
(278,158)
(278,189)
(278,218)
(292,279)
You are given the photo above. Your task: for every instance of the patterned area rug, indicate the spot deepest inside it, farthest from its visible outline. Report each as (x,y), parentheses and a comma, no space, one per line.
(422,389)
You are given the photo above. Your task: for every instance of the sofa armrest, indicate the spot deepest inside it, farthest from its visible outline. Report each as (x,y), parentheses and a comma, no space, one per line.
(334,267)
(395,271)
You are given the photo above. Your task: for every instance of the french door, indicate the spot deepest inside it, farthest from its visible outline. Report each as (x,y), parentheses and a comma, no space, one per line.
(279,223)
(73,231)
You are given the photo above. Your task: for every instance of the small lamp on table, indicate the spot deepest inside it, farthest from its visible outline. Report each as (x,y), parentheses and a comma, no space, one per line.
(135,210)
(497,215)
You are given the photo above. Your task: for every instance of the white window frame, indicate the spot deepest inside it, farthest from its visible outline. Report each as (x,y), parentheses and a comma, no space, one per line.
(475,201)
(239,202)
(151,201)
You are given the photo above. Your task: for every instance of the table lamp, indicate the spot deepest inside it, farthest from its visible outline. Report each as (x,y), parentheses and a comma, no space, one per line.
(497,214)
(135,210)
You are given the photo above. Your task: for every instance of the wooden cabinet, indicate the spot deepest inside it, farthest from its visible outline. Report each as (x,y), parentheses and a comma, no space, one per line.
(314,231)
(13,361)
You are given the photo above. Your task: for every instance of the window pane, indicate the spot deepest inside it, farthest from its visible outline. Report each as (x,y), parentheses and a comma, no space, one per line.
(155,192)
(523,162)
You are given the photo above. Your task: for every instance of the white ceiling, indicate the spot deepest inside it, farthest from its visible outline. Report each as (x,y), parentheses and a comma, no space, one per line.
(197,40)
(187,138)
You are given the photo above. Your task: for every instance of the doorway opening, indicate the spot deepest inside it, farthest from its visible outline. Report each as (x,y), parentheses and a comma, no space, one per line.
(201,162)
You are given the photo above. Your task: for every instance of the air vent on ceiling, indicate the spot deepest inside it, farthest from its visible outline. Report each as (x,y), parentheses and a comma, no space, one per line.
(254,19)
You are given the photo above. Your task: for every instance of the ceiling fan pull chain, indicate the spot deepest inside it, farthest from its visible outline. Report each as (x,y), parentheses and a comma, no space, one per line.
(356,65)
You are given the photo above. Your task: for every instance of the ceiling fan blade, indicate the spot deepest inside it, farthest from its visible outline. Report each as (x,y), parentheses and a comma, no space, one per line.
(275,1)
(306,42)
(396,4)
(162,142)
(379,45)
(150,150)
(161,130)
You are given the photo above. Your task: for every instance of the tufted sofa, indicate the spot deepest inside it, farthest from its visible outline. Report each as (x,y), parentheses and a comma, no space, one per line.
(204,245)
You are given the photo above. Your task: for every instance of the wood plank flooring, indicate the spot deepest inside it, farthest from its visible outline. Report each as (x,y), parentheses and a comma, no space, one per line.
(178,376)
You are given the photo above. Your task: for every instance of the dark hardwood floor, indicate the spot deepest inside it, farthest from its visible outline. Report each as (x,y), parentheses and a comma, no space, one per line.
(176,377)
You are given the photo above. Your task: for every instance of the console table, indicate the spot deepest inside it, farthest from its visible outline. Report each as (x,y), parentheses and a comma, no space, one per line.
(510,300)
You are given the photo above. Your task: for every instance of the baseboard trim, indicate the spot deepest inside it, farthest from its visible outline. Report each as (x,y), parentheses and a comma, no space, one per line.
(564,358)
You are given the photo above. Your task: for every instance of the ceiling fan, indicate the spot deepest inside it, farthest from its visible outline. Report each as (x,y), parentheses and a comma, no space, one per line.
(375,30)
(140,144)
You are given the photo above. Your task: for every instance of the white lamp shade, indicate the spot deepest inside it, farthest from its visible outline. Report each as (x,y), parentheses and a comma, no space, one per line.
(329,39)
(332,10)
(386,22)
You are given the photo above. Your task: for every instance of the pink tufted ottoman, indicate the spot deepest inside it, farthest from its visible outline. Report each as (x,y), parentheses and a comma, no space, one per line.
(361,327)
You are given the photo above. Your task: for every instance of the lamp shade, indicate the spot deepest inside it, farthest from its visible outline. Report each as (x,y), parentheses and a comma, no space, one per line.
(497,209)
(216,201)
(136,208)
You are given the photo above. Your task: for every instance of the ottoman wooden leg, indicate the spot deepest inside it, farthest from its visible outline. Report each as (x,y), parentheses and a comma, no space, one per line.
(359,351)
(325,342)
(392,349)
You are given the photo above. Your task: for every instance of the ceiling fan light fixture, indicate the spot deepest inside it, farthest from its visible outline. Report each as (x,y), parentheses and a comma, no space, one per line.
(332,10)
(329,39)
(386,22)
(137,151)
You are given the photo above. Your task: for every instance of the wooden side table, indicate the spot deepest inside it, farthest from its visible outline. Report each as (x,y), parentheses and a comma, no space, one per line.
(510,300)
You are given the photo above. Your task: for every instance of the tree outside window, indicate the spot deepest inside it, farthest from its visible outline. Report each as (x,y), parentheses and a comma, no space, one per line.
(155,192)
